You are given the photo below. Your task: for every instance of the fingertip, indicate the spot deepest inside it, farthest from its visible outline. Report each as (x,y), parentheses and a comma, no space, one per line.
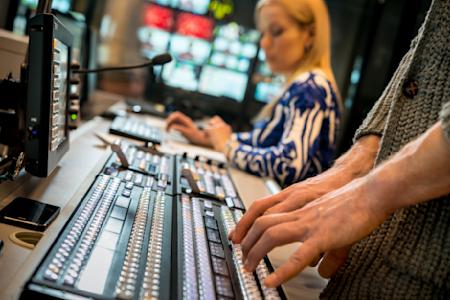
(248,266)
(230,235)
(271,281)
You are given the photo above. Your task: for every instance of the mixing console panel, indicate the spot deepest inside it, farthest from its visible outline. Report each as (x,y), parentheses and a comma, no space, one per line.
(146,168)
(142,233)
(208,178)
(209,266)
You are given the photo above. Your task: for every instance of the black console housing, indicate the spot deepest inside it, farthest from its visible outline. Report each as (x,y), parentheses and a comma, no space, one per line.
(47,136)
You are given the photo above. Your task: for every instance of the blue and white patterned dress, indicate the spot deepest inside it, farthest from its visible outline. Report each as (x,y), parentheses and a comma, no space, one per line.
(298,140)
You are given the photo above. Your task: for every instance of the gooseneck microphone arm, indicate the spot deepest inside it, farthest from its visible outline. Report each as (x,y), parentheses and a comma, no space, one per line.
(155,61)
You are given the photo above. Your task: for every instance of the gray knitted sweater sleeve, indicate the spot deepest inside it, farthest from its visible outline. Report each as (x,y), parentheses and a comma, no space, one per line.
(375,121)
(445,119)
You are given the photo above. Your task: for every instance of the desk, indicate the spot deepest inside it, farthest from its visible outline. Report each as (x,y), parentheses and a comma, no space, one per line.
(68,183)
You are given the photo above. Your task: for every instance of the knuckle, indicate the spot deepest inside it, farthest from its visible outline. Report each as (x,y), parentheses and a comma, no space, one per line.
(271,234)
(259,222)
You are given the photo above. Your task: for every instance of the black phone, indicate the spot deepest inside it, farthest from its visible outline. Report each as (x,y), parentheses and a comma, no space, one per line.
(28,213)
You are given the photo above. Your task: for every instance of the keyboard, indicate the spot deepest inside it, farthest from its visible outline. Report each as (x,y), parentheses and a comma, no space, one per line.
(135,235)
(136,129)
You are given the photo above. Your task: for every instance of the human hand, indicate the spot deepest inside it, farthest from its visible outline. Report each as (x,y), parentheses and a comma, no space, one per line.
(335,221)
(182,123)
(357,162)
(289,199)
(218,132)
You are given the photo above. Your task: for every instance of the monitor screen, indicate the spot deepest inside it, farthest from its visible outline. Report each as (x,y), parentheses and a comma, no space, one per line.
(195,26)
(223,83)
(58,121)
(181,74)
(268,85)
(158,17)
(195,6)
(190,49)
(154,41)
(234,32)
(208,58)
(267,91)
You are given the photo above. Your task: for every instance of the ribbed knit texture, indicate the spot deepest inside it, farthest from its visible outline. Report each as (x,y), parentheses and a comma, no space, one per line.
(445,119)
(408,256)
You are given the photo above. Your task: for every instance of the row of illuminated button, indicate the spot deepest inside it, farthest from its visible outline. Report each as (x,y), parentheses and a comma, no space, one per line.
(190,286)
(150,163)
(128,276)
(91,234)
(153,268)
(261,270)
(247,281)
(203,265)
(71,239)
(216,251)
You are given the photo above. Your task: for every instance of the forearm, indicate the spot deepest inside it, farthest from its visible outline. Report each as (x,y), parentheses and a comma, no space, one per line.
(355,163)
(417,173)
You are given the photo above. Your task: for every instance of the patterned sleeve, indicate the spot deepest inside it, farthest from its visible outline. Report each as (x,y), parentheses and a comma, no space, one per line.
(288,160)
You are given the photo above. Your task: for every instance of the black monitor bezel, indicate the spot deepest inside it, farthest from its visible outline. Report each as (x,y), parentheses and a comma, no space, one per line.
(41,161)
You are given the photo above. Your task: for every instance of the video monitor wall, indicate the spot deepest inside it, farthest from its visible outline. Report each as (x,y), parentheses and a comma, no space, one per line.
(209,57)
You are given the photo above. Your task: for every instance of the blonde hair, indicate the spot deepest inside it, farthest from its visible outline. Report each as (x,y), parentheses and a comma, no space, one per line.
(306,13)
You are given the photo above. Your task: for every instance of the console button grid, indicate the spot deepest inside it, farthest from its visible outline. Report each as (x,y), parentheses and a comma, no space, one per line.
(212,268)
(136,129)
(146,169)
(114,246)
(132,240)
(208,178)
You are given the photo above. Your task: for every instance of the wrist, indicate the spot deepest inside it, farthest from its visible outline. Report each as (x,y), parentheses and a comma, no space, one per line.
(379,194)
(228,148)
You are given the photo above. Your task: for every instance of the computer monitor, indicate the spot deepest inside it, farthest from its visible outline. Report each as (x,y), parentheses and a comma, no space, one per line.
(47,100)
(267,86)
(195,6)
(156,16)
(195,26)
(222,82)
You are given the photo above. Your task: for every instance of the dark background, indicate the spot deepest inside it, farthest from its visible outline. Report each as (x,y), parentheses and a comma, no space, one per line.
(369,38)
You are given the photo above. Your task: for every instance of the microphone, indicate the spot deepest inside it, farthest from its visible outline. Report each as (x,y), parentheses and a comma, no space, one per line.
(160,59)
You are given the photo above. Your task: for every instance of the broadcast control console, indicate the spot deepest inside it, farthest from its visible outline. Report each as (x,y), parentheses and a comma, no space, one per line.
(144,232)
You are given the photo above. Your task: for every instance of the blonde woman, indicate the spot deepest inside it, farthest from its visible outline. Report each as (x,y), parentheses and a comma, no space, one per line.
(294,136)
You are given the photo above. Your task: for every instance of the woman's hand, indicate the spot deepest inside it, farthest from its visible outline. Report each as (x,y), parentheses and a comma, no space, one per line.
(182,123)
(329,225)
(218,132)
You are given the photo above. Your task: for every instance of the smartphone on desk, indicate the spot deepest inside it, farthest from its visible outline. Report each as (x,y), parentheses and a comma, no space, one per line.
(28,213)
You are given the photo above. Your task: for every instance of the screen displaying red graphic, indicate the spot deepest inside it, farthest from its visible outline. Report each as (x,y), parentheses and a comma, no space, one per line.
(159,17)
(195,26)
